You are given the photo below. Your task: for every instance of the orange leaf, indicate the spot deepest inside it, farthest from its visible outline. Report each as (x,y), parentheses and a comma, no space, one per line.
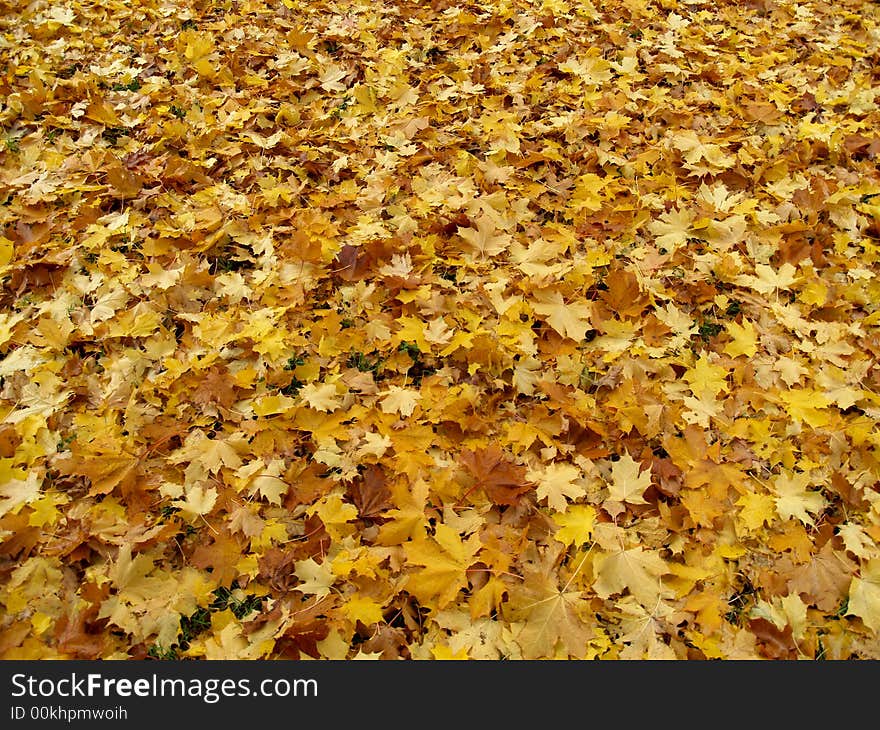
(503,481)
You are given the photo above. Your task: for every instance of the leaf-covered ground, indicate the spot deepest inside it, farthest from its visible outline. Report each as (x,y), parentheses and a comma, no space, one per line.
(376,329)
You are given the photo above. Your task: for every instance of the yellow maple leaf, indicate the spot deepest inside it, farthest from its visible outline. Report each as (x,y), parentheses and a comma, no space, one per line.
(315,579)
(703,410)
(617,339)
(408,521)
(336,515)
(487,599)
(807,406)
(558,484)
(587,194)
(628,483)
(864,596)
(485,241)
(706,378)
(672,229)
(33,583)
(363,609)
(45,509)
(321,396)
(272,532)
(526,374)
(213,454)
(636,570)
(16,488)
(789,370)
(8,321)
(695,151)
(444,654)
(568,319)
(198,48)
(591,68)
(443,560)
(794,500)
(757,510)
(437,332)
(199,501)
(768,279)
(267,481)
(641,631)
(270,405)
(858,542)
(400,400)
(744,339)
(575,524)
(554,621)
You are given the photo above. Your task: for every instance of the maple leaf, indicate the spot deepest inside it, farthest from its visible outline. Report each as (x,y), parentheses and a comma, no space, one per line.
(695,151)
(825,580)
(321,396)
(315,579)
(794,500)
(628,482)
(484,240)
(551,616)
(672,229)
(785,611)
(221,555)
(335,514)
(744,339)
(370,494)
(857,541)
(36,583)
(105,464)
(304,629)
(266,480)
(408,521)
(444,560)
(437,332)
(678,321)
(719,196)
(706,378)
(217,388)
(245,520)
(587,192)
(15,491)
(864,596)
(363,609)
(569,320)
(591,68)
(76,638)
(227,643)
(526,374)
(777,643)
(575,524)
(623,294)
(640,631)
(767,279)
(558,484)
(791,371)
(199,501)
(635,570)
(487,599)
(807,406)
(400,400)
(757,510)
(213,454)
(503,481)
